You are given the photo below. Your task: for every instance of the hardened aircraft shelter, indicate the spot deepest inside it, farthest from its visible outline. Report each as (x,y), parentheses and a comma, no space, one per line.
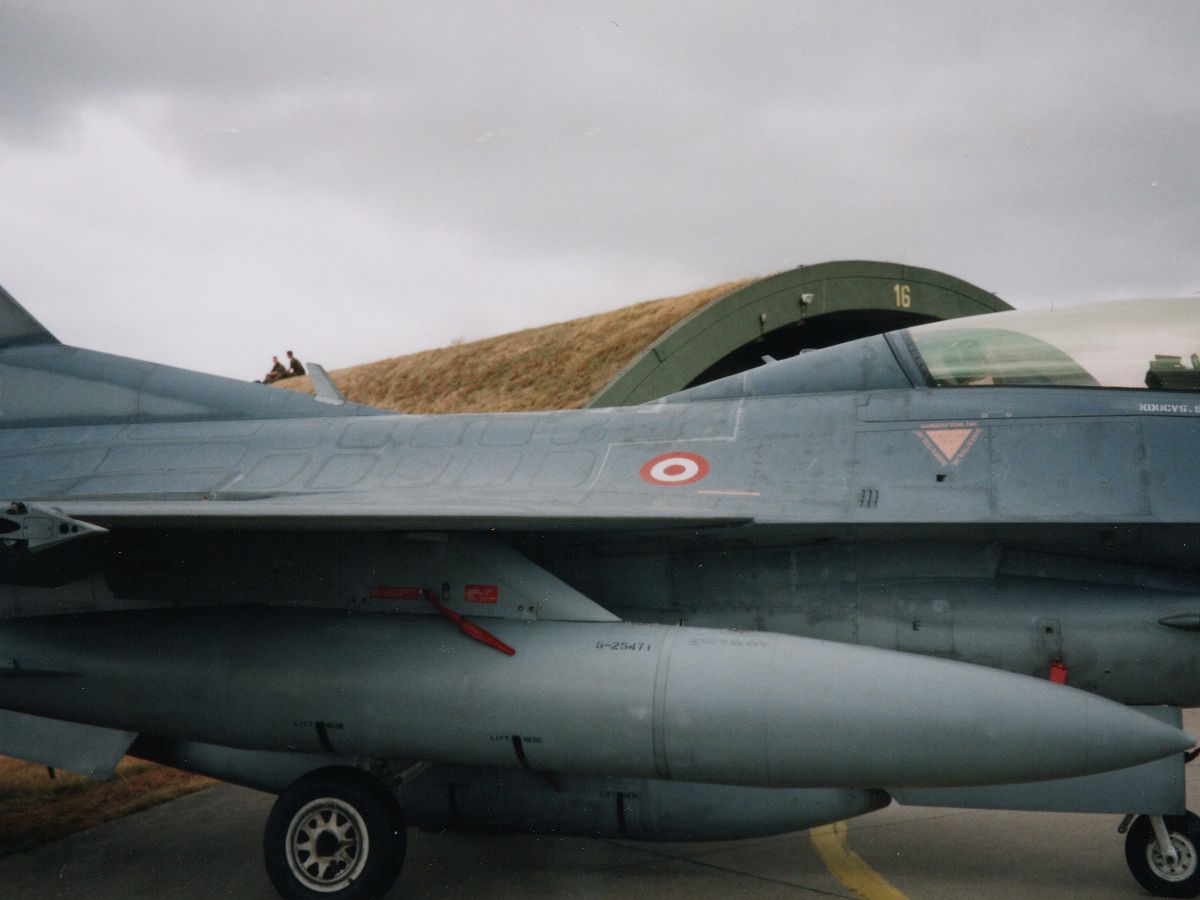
(800,309)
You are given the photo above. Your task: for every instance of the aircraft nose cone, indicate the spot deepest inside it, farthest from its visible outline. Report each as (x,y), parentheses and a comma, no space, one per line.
(859,716)
(1119,736)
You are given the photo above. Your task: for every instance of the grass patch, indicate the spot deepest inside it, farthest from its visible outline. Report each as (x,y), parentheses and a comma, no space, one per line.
(35,808)
(559,366)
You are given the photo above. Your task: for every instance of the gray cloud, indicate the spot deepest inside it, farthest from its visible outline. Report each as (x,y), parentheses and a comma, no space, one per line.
(517,163)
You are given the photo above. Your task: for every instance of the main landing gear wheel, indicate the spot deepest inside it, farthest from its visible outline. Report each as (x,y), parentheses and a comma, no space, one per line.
(1158,874)
(335,833)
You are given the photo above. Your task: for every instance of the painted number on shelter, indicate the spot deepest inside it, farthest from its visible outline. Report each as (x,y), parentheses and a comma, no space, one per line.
(903,294)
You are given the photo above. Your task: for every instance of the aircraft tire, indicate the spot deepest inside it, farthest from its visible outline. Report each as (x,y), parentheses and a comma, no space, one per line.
(1148,866)
(334,833)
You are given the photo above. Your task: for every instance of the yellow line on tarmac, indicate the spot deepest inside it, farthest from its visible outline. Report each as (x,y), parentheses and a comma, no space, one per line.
(848,867)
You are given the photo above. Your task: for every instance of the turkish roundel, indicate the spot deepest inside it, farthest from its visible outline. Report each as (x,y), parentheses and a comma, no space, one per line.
(675,468)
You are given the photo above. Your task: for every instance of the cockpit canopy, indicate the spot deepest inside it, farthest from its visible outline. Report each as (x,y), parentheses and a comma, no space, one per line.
(1151,344)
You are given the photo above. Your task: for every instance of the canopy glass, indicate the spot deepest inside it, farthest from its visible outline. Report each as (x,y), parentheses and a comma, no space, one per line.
(1150,344)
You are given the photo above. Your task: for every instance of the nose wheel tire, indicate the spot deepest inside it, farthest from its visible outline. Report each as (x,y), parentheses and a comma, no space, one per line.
(1159,875)
(335,833)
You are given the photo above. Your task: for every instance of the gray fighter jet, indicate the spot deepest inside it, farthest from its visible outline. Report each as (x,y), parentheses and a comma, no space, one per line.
(956,564)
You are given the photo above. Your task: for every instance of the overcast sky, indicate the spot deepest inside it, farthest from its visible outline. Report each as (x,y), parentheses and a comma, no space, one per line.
(212,183)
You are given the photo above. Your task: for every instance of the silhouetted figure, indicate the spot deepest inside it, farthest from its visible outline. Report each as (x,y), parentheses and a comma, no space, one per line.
(294,366)
(277,372)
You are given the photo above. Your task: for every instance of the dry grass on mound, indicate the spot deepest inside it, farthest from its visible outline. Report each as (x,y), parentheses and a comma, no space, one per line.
(557,366)
(35,808)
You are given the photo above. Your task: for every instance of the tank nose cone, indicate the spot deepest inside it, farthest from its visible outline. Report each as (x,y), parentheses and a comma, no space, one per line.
(1120,736)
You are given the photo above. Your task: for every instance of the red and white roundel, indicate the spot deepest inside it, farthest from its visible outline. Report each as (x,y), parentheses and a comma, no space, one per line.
(675,468)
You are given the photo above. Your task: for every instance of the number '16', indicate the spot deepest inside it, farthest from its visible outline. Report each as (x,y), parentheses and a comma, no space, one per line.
(903,294)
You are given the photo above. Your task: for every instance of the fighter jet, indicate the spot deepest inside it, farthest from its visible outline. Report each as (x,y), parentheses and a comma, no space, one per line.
(951,564)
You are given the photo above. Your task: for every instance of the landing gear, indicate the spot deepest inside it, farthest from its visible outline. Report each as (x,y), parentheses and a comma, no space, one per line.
(335,833)
(1165,871)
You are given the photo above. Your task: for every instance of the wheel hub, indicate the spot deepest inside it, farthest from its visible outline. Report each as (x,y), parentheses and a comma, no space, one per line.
(1184,865)
(327,845)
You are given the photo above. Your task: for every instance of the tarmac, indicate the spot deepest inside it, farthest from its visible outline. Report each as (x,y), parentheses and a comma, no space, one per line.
(208,845)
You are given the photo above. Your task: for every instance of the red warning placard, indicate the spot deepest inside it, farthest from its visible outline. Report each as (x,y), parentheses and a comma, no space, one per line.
(394,592)
(482,593)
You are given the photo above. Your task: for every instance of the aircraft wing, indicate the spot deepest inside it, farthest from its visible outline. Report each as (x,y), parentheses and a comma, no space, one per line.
(337,512)
(85,749)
